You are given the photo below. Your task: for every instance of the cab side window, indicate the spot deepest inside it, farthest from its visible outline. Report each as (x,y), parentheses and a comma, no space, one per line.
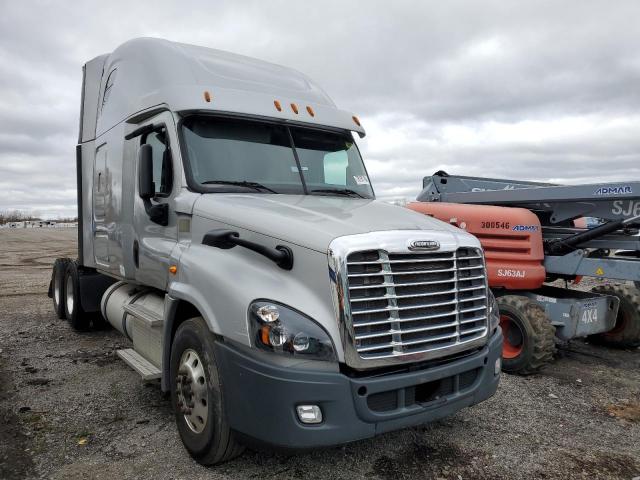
(162,171)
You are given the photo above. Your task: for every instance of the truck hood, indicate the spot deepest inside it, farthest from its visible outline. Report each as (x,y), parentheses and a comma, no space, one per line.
(313,221)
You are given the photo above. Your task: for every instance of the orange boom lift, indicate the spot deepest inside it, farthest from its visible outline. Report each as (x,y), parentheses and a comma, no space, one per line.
(533,234)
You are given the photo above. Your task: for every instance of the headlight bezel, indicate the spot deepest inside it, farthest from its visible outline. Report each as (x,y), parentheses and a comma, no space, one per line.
(289,325)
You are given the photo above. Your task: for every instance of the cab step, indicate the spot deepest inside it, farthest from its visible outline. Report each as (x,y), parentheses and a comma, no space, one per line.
(147,370)
(151,318)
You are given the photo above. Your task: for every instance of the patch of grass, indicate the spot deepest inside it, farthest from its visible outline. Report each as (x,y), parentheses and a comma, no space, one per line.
(31,418)
(36,421)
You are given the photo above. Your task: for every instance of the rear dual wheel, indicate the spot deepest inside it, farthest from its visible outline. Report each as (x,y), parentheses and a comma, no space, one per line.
(64,290)
(529,337)
(57,285)
(78,318)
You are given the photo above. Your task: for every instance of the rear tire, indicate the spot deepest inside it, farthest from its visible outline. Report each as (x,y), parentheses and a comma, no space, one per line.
(529,337)
(74,312)
(626,332)
(56,288)
(197,396)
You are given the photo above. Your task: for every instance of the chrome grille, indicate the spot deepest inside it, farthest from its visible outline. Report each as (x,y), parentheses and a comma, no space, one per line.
(412,303)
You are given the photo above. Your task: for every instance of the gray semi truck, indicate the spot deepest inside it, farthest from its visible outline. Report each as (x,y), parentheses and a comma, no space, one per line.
(228,228)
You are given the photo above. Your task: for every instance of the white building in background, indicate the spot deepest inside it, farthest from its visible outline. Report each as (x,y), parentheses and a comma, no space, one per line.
(40,224)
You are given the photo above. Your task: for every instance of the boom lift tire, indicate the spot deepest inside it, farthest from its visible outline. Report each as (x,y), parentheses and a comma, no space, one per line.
(626,332)
(197,396)
(74,312)
(529,336)
(56,286)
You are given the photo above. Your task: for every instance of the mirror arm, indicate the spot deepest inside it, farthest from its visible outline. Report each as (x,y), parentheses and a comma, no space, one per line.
(157,213)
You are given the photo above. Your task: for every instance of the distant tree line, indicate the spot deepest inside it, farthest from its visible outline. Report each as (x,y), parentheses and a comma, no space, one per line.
(10,216)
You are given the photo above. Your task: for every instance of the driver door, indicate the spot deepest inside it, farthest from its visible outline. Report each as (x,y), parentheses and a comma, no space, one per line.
(153,243)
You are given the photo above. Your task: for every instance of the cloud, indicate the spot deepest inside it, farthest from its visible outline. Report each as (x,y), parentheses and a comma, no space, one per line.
(536,90)
(571,149)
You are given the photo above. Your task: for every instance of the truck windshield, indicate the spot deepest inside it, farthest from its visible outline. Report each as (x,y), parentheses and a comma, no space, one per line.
(229,155)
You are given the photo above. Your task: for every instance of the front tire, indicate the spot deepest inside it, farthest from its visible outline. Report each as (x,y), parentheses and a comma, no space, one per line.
(529,337)
(197,396)
(626,331)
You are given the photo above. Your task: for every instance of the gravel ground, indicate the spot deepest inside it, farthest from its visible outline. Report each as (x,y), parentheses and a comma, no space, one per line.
(69,408)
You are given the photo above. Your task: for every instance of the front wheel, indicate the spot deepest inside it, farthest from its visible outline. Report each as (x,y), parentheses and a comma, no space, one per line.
(529,337)
(197,396)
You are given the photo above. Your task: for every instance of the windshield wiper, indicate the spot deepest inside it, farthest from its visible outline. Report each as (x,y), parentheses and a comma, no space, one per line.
(244,183)
(339,191)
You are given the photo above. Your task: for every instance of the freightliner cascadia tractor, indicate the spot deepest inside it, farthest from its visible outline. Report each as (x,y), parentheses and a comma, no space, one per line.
(229,230)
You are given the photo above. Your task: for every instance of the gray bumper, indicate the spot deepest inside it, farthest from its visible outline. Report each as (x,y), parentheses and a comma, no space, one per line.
(260,398)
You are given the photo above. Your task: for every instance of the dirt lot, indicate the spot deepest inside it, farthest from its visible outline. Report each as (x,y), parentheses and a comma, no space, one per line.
(69,408)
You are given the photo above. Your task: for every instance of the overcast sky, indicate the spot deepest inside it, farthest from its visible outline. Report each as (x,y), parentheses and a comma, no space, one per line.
(534,90)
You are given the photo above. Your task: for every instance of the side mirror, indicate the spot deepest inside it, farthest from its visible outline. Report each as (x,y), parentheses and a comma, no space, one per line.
(146,186)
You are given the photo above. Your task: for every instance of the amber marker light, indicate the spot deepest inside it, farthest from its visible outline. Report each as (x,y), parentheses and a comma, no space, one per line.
(294,107)
(207,96)
(264,334)
(277,105)
(356,120)
(173,269)
(310,111)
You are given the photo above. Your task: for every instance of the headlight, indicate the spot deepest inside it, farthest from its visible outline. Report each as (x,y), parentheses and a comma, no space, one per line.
(280,329)
(494,313)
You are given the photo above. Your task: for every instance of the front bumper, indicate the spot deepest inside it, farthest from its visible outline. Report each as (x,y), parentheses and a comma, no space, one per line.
(261,399)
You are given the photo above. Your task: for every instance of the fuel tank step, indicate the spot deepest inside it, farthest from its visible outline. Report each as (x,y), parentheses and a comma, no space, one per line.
(146,369)
(151,318)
